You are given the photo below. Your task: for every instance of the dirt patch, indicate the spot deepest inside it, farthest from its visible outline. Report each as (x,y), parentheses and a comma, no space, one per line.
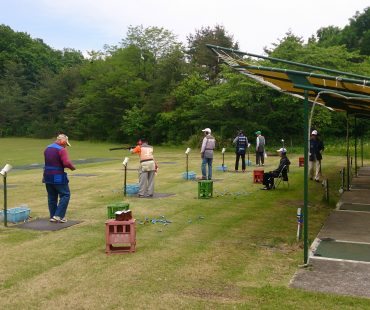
(281,248)
(227,293)
(291,203)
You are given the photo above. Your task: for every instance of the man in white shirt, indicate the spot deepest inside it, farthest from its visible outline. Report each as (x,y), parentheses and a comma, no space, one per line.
(208,145)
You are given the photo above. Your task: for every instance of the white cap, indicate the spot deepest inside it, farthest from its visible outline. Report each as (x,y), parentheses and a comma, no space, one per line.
(314,132)
(207,130)
(282,150)
(64,138)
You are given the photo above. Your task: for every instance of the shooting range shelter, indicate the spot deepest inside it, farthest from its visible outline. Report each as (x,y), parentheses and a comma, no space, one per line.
(336,90)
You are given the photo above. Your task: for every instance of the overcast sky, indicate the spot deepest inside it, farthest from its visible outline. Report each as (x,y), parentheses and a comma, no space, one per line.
(90,24)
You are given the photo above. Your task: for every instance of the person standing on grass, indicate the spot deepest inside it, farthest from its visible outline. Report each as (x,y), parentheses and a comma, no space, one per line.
(147,170)
(206,152)
(260,149)
(55,179)
(241,142)
(316,149)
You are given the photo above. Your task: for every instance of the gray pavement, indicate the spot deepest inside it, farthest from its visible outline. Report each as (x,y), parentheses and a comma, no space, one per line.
(346,229)
(361,182)
(336,277)
(347,226)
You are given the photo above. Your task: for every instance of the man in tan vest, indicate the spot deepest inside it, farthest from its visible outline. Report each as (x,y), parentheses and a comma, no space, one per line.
(147,169)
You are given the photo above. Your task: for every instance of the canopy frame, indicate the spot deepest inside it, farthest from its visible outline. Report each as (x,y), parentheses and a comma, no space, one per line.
(346,92)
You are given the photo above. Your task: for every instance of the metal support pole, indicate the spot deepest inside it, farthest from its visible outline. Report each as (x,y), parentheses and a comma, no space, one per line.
(362,150)
(187,166)
(124,182)
(299,223)
(348,159)
(356,167)
(344,178)
(5,203)
(326,188)
(305,191)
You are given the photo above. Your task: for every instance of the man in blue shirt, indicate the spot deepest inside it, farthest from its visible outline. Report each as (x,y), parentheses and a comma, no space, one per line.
(241,143)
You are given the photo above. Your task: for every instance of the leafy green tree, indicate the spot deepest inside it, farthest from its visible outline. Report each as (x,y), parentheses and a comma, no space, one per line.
(201,56)
(356,34)
(157,41)
(111,85)
(329,36)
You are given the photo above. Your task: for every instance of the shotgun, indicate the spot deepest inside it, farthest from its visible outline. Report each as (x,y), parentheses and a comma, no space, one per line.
(122,148)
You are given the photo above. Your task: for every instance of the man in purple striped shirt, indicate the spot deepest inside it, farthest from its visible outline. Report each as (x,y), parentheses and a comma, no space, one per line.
(56,180)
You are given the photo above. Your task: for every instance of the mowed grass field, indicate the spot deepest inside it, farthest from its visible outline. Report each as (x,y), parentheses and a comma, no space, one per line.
(234,251)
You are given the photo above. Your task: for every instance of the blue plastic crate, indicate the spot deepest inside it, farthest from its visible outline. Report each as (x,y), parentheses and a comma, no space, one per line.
(222,168)
(132,189)
(191,175)
(15,215)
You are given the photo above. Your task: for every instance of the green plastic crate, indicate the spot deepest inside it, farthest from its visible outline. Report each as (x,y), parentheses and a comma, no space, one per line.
(205,189)
(118,206)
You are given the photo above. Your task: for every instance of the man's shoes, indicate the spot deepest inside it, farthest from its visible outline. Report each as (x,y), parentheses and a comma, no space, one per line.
(57,219)
(204,178)
(317,181)
(265,188)
(149,196)
(140,196)
(243,170)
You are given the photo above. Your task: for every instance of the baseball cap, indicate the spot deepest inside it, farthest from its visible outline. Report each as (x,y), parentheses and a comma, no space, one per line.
(63,137)
(258,132)
(314,132)
(207,130)
(282,150)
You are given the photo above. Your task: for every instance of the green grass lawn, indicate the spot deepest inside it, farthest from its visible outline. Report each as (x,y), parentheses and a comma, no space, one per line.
(234,251)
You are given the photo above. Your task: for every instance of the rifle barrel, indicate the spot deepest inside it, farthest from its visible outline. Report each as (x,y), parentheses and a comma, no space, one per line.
(121,148)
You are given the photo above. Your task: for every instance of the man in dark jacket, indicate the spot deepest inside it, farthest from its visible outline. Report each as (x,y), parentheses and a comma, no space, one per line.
(241,143)
(56,180)
(316,149)
(268,178)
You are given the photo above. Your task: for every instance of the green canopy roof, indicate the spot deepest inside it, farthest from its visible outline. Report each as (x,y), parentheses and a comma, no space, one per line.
(342,91)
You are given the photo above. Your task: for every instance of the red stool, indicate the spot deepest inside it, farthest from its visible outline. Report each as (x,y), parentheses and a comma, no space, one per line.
(121,233)
(258,176)
(301,162)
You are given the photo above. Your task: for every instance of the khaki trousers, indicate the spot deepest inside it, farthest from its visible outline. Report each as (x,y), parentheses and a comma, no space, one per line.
(146,178)
(314,165)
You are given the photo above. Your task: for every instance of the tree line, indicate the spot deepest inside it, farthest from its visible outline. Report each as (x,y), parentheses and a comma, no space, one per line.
(151,85)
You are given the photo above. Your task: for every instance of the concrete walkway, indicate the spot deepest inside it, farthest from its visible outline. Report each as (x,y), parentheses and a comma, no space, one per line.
(339,259)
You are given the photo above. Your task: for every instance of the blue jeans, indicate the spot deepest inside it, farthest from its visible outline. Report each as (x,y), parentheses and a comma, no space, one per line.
(206,161)
(56,191)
